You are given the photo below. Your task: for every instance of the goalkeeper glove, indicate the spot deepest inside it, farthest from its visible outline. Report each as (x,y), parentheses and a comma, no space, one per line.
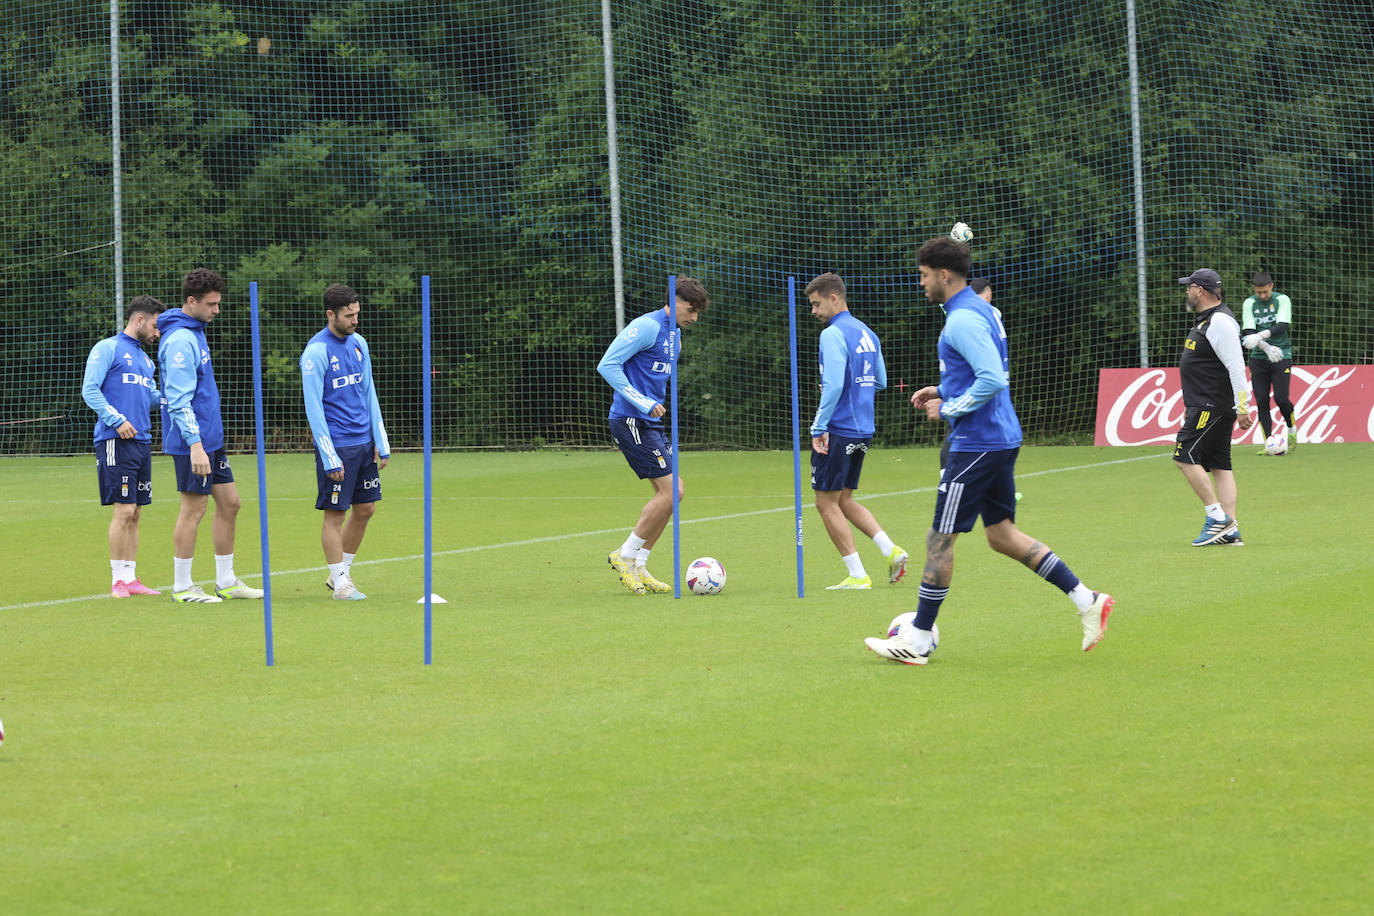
(1250,341)
(1271,351)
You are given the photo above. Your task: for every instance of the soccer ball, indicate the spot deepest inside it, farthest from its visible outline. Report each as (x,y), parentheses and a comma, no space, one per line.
(961,233)
(705,576)
(909,619)
(1276,444)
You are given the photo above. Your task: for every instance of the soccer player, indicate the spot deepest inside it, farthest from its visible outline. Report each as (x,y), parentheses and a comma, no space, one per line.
(852,372)
(120,388)
(636,366)
(984,290)
(974,397)
(1264,319)
(193,434)
(351,446)
(1212,371)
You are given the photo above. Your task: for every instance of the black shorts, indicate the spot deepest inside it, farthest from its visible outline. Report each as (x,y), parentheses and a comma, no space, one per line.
(839,469)
(1205,438)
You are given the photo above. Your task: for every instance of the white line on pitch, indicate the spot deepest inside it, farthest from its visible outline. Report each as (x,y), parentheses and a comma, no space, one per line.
(598,532)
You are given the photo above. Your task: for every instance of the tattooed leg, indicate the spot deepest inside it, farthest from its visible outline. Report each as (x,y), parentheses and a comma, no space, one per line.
(939,559)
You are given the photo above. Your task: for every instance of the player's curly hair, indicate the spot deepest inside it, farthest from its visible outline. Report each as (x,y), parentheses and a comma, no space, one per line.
(944,253)
(201,281)
(690,289)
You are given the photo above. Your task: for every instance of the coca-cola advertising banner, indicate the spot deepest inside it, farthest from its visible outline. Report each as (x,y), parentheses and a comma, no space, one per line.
(1145,406)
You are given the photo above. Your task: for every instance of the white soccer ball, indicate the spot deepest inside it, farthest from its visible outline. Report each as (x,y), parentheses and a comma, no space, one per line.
(908,620)
(1276,444)
(961,233)
(898,621)
(705,576)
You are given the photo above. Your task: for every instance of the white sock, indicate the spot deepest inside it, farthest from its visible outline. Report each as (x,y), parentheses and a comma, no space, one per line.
(1081,596)
(121,571)
(224,570)
(642,557)
(1214,512)
(884,543)
(348,561)
(855,565)
(131,567)
(631,546)
(181,573)
(921,640)
(336,570)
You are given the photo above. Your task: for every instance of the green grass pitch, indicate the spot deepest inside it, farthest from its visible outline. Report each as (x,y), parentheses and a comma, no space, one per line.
(574,748)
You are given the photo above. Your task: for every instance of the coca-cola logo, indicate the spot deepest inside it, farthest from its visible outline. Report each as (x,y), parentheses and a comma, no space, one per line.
(1145,406)
(1150,407)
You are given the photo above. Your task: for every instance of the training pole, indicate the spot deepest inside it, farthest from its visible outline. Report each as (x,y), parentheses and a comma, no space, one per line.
(262,469)
(426,386)
(796,429)
(673,346)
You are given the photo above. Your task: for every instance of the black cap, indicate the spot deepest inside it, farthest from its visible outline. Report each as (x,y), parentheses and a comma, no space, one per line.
(1205,277)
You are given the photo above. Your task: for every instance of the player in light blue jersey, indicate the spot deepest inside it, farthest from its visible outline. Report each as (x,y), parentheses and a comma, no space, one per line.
(852,372)
(120,386)
(351,445)
(974,397)
(193,434)
(983,289)
(638,365)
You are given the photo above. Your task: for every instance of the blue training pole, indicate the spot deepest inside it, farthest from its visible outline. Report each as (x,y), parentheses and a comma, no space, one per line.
(262,470)
(673,346)
(796,429)
(429,478)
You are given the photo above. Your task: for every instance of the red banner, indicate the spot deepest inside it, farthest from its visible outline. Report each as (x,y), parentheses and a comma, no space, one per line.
(1145,406)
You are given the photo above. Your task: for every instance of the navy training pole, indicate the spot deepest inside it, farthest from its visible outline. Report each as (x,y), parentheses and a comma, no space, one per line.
(262,470)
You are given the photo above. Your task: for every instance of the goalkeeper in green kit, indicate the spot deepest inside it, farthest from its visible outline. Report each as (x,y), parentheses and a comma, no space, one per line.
(1265,319)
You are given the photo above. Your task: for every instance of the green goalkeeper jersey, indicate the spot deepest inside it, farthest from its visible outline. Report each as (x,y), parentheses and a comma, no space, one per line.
(1262,316)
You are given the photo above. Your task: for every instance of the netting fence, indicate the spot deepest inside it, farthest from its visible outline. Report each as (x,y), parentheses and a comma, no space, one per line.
(372,142)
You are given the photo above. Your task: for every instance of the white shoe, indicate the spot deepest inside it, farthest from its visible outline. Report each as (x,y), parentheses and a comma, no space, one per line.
(195,595)
(239,589)
(1095,619)
(901,648)
(344,589)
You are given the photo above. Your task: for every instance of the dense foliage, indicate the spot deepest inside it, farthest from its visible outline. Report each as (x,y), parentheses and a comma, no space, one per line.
(372,141)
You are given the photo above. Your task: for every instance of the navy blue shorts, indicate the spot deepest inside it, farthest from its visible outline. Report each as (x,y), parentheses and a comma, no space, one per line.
(124,468)
(838,470)
(974,484)
(643,445)
(220,472)
(362,481)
